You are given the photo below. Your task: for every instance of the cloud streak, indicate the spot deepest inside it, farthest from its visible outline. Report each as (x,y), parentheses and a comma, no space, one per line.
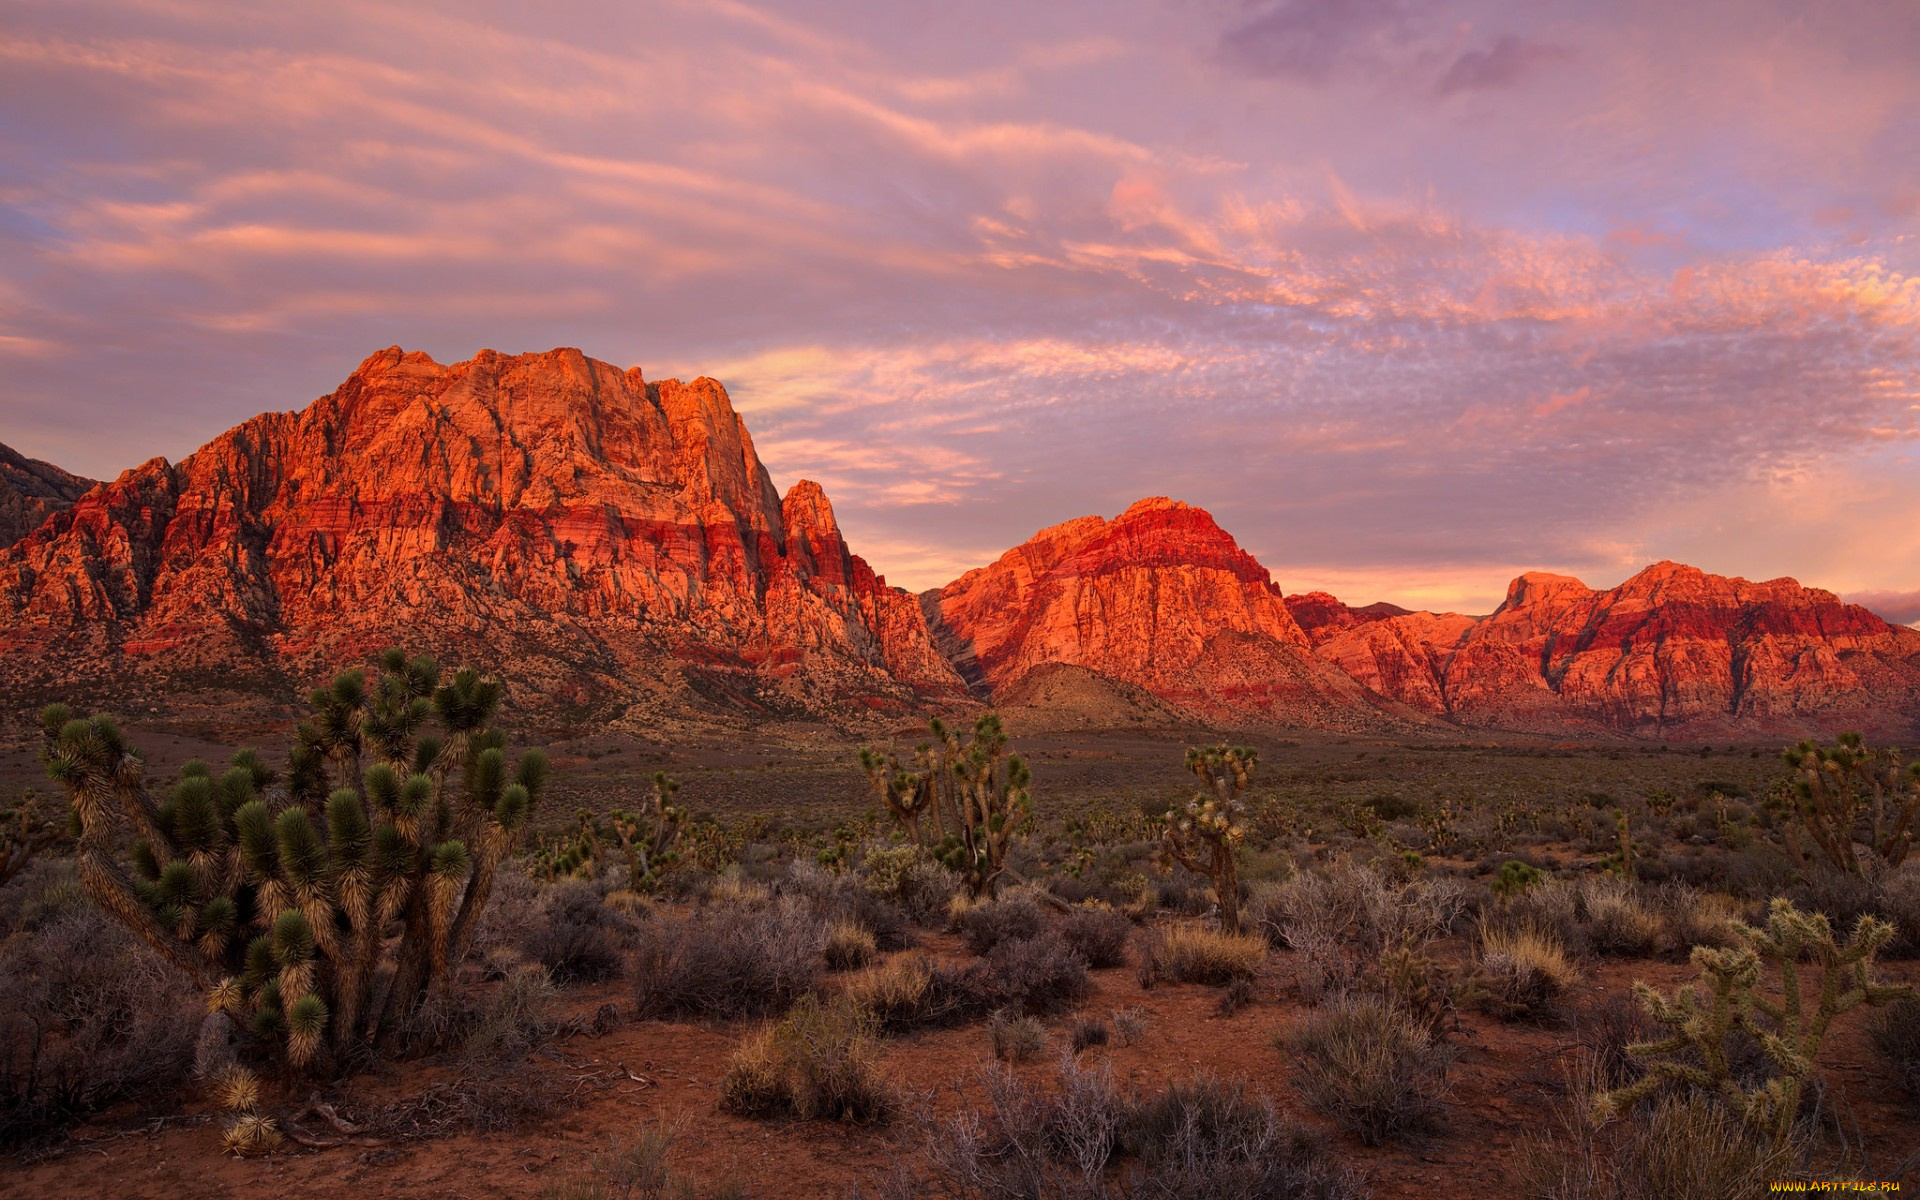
(1412,295)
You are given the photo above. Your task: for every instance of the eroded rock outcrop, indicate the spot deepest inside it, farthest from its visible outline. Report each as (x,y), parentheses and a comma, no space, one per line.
(1671,651)
(1161,598)
(548,506)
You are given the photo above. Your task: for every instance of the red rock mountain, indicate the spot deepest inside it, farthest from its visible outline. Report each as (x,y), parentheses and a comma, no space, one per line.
(30,490)
(1161,598)
(618,544)
(613,536)
(1673,651)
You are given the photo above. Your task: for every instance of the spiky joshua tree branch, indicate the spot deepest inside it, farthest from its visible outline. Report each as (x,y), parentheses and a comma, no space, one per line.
(323,912)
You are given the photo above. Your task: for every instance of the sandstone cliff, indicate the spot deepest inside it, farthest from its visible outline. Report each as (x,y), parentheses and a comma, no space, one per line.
(608,534)
(1160,598)
(30,490)
(1673,651)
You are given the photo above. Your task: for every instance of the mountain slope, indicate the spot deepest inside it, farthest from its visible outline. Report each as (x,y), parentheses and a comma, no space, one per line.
(30,490)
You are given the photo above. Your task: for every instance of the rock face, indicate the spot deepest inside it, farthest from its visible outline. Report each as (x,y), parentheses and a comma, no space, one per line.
(1673,651)
(30,490)
(610,531)
(1160,598)
(614,542)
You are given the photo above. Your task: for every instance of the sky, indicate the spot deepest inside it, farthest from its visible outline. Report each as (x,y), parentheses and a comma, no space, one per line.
(1412,296)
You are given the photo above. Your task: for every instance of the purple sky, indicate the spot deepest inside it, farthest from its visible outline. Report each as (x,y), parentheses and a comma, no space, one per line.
(1412,296)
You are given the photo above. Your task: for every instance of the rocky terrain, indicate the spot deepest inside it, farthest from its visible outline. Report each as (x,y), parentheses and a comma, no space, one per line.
(621,544)
(30,490)
(1672,650)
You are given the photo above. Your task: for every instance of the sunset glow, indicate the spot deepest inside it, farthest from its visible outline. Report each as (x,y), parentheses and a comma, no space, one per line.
(1411,296)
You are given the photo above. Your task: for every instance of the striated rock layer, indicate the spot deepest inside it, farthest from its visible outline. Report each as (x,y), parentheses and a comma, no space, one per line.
(30,490)
(1673,651)
(617,535)
(1160,598)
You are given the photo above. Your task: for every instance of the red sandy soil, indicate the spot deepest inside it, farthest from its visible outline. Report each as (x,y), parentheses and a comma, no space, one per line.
(1504,1082)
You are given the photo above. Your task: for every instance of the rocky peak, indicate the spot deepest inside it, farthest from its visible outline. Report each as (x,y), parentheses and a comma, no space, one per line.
(549,506)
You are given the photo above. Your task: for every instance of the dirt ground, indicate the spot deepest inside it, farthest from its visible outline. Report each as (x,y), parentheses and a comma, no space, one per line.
(1505,1083)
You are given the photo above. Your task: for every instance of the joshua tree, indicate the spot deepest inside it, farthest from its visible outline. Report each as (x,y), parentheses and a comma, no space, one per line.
(905,794)
(649,842)
(1205,836)
(1696,1052)
(1852,793)
(992,802)
(286,908)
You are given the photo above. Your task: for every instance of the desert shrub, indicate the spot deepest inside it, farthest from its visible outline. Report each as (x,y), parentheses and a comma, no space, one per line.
(1212,1141)
(1841,897)
(512,910)
(1017,1039)
(1086,1032)
(1695,918)
(1900,905)
(88,1016)
(842,899)
(1895,1031)
(1682,1148)
(849,945)
(1371,1069)
(516,1017)
(1185,954)
(1012,916)
(631,1168)
(816,1063)
(45,890)
(576,935)
(1552,907)
(1078,1137)
(1039,975)
(913,992)
(1523,971)
(906,878)
(1618,920)
(1603,1028)
(1391,806)
(1130,1023)
(1099,934)
(732,889)
(1339,923)
(727,961)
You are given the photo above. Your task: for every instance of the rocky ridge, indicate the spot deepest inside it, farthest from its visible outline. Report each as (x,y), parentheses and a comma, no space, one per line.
(31,490)
(619,543)
(609,535)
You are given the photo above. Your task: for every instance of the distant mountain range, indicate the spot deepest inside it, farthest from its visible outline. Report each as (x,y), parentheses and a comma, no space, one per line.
(616,546)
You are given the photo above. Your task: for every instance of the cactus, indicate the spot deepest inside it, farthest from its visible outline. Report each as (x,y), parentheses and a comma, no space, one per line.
(1206,835)
(992,802)
(282,904)
(1696,1052)
(1852,793)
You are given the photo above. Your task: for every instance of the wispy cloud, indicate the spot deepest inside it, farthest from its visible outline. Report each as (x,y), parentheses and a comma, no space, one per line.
(1412,294)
